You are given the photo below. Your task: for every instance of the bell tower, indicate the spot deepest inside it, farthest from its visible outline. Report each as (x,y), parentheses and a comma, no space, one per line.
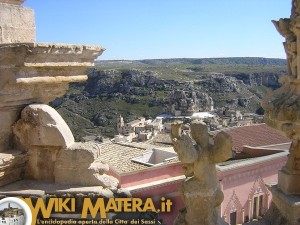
(120,124)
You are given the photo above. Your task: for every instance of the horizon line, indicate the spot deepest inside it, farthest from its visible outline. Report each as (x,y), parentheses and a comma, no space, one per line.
(229,57)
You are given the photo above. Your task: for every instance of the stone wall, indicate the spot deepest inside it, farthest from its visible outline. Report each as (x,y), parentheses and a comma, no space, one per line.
(16,23)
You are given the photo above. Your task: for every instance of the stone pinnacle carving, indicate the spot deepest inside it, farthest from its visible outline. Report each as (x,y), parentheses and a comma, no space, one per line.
(282,106)
(201,191)
(282,111)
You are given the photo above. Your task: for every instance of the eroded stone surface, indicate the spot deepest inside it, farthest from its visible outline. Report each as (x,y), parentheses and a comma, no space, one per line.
(272,217)
(42,133)
(41,71)
(17,23)
(13,166)
(83,159)
(282,106)
(285,208)
(201,190)
(33,73)
(41,125)
(52,153)
(282,112)
(12,2)
(37,73)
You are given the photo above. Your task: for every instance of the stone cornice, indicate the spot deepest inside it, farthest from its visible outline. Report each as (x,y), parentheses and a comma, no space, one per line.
(49,54)
(12,2)
(42,69)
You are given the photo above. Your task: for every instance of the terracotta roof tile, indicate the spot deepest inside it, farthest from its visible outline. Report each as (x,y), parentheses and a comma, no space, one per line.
(255,135)
(119,156)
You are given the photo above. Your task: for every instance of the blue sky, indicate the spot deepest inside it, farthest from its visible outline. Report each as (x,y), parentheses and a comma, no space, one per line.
(145,29)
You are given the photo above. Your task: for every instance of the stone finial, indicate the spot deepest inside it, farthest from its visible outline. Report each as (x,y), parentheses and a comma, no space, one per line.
(201,191)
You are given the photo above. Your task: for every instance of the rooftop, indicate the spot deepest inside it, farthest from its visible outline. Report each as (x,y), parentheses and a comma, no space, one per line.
(202,115)
(238,163)
(119,156)
(255,135)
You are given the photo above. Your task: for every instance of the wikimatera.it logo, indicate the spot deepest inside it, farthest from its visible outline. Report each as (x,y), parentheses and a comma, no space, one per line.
(92,208)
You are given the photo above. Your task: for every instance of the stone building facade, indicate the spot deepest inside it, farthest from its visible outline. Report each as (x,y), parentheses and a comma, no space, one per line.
(137,130)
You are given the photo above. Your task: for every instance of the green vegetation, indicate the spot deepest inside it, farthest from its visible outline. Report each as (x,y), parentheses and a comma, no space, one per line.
(82,116)
(92,108)
(190,69)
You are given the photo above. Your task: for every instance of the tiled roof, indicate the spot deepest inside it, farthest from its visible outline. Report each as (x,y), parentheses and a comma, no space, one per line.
(119,156)
(255,135)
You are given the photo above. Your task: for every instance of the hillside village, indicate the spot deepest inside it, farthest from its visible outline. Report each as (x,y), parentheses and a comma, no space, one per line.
(149,88)
(143,130)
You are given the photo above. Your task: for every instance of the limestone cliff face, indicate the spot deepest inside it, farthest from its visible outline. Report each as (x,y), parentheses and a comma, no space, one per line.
(259,79)
(146,90)
(125,82)
(185,103)
(219,83)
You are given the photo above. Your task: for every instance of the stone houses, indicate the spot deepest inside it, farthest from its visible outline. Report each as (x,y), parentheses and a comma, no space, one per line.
(235,118)
(12,216)
(137,130)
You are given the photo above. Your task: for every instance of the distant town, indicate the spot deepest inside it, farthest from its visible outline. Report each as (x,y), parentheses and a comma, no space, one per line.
(143,130)
(12,216)
(185,109)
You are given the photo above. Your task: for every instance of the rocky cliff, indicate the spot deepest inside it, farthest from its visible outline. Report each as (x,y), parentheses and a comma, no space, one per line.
(185,103)
(148,88)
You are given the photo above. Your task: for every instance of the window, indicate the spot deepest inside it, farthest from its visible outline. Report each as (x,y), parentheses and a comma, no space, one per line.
(258,206)
(261,199)
(233,218)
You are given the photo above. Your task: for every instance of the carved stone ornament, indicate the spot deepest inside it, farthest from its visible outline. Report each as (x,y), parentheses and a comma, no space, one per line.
(282,106)
(201,190)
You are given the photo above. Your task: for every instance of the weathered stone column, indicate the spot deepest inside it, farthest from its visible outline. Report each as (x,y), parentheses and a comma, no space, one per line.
(282,111)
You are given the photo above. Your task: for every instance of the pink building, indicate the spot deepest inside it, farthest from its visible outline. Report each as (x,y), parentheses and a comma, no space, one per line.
(260,151)
(246,196)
